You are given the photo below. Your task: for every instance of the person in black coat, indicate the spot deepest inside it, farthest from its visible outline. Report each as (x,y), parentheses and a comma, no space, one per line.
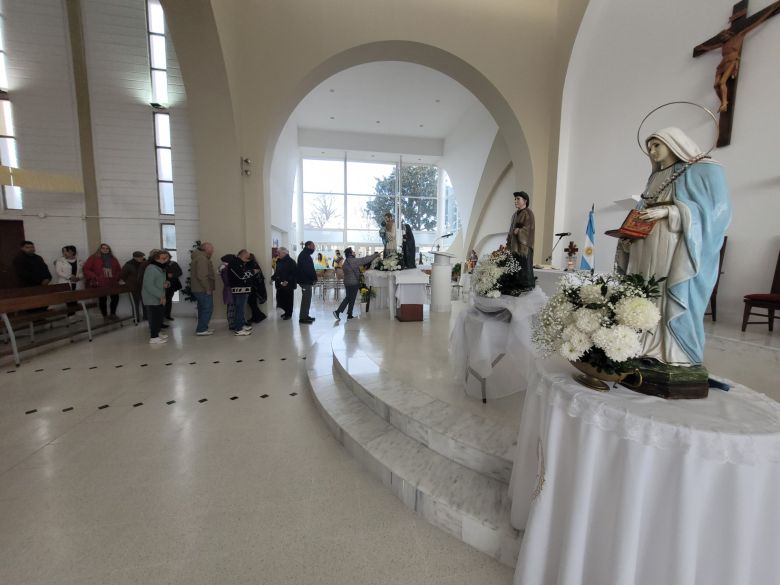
(173,275)
(284,278)
(307,276)
(30,268)
(259,294)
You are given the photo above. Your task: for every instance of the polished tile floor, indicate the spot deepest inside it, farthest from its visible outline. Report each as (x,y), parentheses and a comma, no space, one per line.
(187,475)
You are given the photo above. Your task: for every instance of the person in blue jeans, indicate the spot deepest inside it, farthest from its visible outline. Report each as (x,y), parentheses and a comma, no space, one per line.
(202,285)
(351,268)
(239,277)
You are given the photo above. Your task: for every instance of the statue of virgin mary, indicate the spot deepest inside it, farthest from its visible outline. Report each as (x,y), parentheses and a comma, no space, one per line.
(687,198)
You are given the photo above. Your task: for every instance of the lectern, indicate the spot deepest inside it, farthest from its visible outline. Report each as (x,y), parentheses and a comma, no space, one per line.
(441,282)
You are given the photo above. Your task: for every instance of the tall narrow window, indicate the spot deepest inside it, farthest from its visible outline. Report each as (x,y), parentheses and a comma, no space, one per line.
(12,195)
(158,65)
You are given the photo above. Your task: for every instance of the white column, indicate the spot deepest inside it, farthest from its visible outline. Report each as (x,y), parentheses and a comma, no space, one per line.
(441,282)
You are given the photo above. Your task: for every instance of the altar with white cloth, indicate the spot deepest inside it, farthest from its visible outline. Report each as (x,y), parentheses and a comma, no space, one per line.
(547,279)
(490,344)
(619,487)
(397,287)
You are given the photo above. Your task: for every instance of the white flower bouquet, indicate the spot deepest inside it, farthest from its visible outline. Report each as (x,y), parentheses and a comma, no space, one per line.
(598,319)
(496,274)
(392,262)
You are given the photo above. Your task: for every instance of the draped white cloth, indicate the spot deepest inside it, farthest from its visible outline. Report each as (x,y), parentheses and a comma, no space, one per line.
(621,488)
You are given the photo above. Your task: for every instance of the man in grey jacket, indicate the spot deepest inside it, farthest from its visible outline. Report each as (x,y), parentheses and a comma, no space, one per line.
(351,268)
(202,284)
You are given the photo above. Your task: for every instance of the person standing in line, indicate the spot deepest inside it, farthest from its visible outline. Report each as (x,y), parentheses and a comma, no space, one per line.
(239,277)
(132,275)
(352,280)
(173,274)
(68,268)
(306,277)
(259,294)
(30,268)
(153,294)
(203,281)
(285,280)
(102,270)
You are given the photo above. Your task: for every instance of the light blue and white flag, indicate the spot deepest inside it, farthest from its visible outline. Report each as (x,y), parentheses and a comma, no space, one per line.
(588,259)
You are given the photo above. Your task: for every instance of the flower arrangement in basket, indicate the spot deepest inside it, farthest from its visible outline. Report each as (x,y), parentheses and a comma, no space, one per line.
(597,320)
(497,274)
(392,262)
(365,293)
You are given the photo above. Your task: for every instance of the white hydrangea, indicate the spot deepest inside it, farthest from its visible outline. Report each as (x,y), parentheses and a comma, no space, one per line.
(588,320)
(619,342)
(575,343)
(591,293)
(493,294)
(637,313)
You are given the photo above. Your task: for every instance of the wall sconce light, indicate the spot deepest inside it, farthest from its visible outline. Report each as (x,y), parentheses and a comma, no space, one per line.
(246,166)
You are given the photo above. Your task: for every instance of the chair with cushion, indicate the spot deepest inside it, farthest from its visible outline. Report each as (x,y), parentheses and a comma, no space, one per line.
(769,301)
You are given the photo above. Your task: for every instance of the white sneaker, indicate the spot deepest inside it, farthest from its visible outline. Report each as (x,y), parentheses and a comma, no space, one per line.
(163,335)
(206,332)
(247,328)
(158,340)
(243,332)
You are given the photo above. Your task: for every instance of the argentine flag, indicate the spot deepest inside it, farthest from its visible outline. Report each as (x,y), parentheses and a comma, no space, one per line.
(587,260)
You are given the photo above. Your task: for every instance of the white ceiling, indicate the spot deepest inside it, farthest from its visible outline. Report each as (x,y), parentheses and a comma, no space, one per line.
(386,97)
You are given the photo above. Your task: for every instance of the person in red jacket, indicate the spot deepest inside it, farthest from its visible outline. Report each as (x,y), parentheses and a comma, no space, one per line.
(101,270)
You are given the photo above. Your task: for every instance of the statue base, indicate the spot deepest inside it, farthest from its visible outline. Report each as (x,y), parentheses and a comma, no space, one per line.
(670,382)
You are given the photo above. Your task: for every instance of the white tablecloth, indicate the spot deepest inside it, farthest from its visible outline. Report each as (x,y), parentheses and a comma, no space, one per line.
(378,280)
(397,287)
(622,488)
(548,280)
(482,340)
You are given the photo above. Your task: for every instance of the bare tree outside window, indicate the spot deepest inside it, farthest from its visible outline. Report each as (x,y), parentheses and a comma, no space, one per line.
(323,210)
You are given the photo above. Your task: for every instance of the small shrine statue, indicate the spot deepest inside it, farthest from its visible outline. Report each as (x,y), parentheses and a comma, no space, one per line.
(520,239)
(408,247)
(472,261)
(687,199)
(387,233)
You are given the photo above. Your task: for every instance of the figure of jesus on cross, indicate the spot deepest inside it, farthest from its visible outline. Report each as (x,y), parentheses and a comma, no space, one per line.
(730,42)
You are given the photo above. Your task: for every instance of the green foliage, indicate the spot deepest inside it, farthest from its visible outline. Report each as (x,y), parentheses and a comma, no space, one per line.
(187,290)
(416,181)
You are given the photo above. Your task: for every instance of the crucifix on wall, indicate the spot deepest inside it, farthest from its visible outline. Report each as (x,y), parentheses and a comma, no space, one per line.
(730,41)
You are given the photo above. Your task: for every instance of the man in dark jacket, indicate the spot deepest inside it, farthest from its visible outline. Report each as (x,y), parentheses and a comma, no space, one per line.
(132,275)
(259,294)
(285,280)
(30,268)
(239,277)
(306,277)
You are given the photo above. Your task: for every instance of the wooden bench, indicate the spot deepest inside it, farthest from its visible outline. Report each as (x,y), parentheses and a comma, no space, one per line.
(12,311)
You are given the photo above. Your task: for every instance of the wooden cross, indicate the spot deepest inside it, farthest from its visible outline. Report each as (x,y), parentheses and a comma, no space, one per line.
(730,41)
(571,249)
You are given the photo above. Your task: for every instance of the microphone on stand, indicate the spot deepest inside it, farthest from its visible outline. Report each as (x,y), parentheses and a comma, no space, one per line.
(560,237)
(440,238)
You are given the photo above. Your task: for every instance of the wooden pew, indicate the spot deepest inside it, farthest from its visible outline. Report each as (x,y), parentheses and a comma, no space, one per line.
(10,309)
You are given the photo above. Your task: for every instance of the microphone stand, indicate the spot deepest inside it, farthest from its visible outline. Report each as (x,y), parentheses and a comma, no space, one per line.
(547,260)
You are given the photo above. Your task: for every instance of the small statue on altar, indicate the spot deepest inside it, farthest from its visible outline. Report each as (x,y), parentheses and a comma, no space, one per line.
(387,233)
(408,246)
(687,201)
(520,239)
(472,261)
(571,253)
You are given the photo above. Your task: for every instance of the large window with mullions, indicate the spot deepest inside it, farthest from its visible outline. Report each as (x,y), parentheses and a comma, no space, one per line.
(343,201)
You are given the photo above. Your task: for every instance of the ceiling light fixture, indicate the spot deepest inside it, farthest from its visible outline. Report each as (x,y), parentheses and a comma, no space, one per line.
(438,101)
(333,117)
(378,122)
(332,90)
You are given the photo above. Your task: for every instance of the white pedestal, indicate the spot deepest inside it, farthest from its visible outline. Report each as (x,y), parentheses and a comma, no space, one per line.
(441,282)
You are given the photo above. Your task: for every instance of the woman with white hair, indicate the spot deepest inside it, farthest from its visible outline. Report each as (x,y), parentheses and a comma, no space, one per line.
(284,279)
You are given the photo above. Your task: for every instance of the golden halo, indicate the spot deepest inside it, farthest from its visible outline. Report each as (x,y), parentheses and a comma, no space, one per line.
(654,110)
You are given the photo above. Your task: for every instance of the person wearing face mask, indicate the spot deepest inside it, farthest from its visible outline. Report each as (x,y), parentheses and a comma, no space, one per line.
(132,275)
(101,270)
(153,294)
(306,277)
(239,275)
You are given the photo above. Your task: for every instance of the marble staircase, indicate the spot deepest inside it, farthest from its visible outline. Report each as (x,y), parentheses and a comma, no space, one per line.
(449,466)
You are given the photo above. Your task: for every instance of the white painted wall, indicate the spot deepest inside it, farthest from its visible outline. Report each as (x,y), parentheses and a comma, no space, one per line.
(41,88)
(283,169)
(632,56)
(42,91)
(498,215)
(466,150)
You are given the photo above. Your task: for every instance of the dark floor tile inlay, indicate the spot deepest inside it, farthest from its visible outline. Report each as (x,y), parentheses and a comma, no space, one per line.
(67,409)
(193,363)
(137,404)
(293,394)
(102,407)
(264,396)
(234,398)
(33,411)
(170,402)
(169,364)
(93,367)
(202,400)
(144,365)
(39,370)
(215,362)
(65,369)
(239,361)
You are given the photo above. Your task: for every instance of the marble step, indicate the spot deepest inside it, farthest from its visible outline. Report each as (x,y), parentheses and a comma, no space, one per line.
(483,444)
(466,504)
